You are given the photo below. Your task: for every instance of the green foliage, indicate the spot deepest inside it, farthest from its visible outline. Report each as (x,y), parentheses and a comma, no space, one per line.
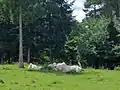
(95,41)
(95,8)
(89,35)
(45,26)
(51,33)
(117,68)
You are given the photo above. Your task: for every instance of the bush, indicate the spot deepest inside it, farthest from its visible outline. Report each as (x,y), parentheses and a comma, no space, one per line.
(117,68)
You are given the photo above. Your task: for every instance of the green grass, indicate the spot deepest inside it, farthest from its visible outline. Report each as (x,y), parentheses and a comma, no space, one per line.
(12,78)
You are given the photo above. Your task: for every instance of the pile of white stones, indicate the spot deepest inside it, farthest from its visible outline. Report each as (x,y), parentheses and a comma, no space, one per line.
(33,66)
(63,67)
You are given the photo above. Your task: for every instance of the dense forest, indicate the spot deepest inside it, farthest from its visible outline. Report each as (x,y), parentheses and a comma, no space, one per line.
(45,31)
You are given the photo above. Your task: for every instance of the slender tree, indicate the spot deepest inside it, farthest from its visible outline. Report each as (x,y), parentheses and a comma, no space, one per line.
(21,64)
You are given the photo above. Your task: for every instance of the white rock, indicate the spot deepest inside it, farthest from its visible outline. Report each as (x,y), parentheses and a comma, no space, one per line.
(32,66)
(75,68)
(39,68)
(63,67)
(60,66)
(52,65)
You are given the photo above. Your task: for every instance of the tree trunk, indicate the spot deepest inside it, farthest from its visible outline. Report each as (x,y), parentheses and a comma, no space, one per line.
(2,59)
(9,58)
(11,15)
(21,64)
(70,63)
(50,51)
(28,57)
(117,9)
(94,11)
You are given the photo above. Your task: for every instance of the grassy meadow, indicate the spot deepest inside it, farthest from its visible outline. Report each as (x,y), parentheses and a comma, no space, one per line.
(12,78)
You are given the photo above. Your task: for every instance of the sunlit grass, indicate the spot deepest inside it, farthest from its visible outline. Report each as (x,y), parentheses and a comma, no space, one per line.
(12,78)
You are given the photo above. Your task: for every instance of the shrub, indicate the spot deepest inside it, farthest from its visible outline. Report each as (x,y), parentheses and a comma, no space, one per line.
(117,68)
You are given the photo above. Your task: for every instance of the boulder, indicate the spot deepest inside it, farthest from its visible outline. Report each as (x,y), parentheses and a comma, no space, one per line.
(63,67)
(31,66)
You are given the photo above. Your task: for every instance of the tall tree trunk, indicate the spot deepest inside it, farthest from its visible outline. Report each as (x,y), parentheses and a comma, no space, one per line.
(94,11)
(117,8)
(2,59)
(10,60)
(11,15)
(11,11)
(28,57)
(50,57)
(21,64)
(9,57)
